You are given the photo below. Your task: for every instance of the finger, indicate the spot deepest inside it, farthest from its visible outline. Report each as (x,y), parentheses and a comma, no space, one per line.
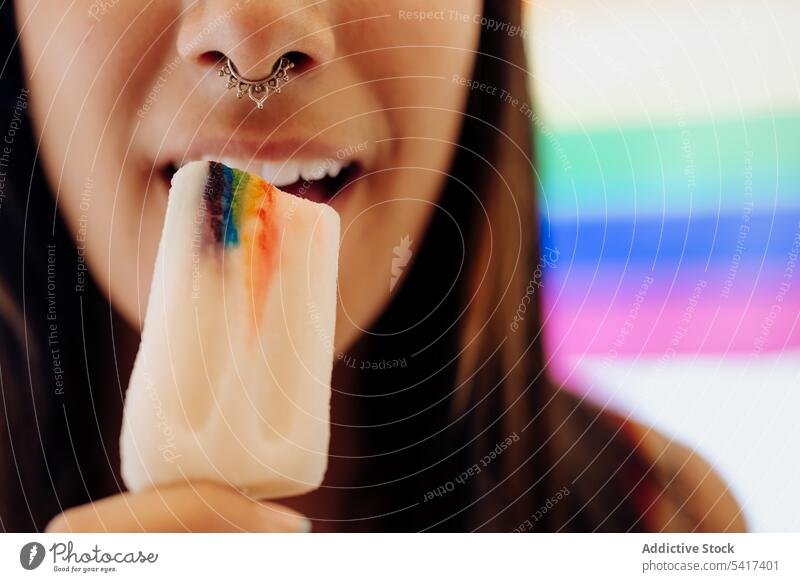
(193,507)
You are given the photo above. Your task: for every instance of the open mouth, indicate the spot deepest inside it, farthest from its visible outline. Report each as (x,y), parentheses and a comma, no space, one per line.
(316,180)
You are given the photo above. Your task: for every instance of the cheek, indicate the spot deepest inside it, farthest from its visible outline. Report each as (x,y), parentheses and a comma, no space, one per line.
(424,107)
(84,97)
(425,103)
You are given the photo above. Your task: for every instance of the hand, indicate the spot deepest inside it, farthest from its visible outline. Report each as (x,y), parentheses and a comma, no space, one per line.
(190,507)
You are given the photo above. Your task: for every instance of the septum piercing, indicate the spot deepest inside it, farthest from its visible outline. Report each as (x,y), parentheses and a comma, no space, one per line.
(259,90)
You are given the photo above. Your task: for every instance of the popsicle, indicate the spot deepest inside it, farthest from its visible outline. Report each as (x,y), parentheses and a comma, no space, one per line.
(231,383)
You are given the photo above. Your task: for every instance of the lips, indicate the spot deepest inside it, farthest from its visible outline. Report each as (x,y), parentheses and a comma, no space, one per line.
(284,173)
(315,179)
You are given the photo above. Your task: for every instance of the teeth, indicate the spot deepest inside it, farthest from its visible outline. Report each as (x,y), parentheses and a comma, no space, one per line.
(312,173)
(334,169)
(280,173)
(284,172)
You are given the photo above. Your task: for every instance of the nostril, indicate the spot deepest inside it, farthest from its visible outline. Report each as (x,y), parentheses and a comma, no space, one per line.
(211,58)
(302,62)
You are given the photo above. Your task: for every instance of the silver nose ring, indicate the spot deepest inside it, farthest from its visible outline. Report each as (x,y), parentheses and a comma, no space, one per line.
(259,90)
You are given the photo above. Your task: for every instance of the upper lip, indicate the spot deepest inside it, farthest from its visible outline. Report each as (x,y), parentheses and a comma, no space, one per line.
(266,150)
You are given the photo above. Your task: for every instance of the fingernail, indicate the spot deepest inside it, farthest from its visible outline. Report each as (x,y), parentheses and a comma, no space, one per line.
(296,523)
(287,521)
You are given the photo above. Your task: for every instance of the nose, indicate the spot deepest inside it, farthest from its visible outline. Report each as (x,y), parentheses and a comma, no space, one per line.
(255,34)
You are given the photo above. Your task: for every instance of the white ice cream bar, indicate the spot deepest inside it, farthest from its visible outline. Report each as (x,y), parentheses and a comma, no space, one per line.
(232,380)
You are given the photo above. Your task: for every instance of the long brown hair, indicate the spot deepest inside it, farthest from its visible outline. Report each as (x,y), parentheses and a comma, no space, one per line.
(468,434)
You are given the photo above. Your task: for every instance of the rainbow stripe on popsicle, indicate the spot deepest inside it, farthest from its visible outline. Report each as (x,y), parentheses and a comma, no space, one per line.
(232,198)
(240,210)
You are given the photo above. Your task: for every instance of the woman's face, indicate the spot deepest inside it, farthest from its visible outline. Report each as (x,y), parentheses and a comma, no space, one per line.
(122,92)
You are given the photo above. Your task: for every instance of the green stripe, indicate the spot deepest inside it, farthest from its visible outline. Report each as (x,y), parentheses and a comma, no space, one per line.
(698,166)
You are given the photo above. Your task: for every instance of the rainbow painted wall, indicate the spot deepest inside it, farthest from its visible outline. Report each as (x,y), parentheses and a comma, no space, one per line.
(704,219)
(668,144)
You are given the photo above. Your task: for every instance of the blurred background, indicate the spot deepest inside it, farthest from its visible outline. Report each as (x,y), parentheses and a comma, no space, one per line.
(668,145)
